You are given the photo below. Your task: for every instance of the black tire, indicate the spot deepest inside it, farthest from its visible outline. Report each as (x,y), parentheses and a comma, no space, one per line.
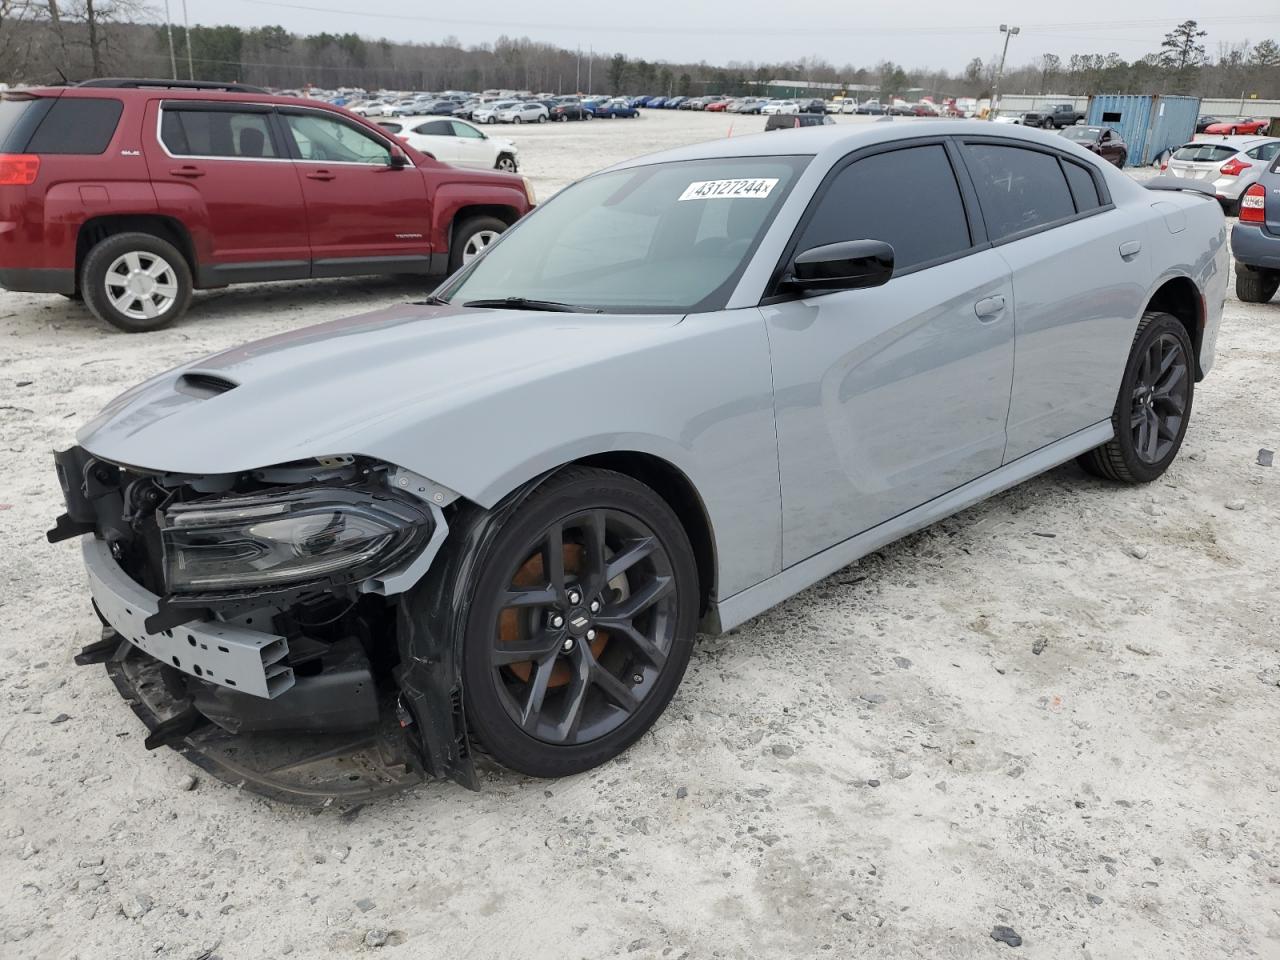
(1233,131)
(601,730)
(93,280)
(1120,459)
(1231,208)
(463,233)
(1048,123)
(506,163)
(1256,286)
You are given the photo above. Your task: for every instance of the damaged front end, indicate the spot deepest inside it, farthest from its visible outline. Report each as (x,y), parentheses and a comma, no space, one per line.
(277,627)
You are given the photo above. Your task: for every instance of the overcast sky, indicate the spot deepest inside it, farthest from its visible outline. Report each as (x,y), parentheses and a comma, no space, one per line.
(916,34)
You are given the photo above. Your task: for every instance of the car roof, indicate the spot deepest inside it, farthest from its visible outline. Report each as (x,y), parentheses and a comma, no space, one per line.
(839,138)
(172,93)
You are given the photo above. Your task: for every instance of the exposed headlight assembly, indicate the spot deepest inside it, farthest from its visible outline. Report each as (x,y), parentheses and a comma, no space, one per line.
(331,534)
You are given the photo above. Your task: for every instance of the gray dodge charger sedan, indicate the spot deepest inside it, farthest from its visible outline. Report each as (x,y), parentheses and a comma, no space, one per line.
(341,559)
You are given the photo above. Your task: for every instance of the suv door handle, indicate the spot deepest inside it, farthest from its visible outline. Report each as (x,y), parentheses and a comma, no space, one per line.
(320,175)
(189,172)
(1130,249)
(989,307)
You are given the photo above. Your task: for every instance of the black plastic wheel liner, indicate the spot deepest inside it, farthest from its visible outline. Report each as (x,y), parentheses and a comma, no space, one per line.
(431,624)
(307,769)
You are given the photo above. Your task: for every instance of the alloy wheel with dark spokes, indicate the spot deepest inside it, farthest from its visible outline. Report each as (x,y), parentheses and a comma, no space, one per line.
(1160,398)
(585,626)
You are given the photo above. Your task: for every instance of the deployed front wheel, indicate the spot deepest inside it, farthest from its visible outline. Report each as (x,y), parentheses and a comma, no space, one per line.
(581,624)
(1153,407)
(136,282)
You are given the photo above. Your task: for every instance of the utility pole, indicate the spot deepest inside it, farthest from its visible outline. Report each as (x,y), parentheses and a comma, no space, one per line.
(577,77)
(591,55)
(1008,32)
(168,26)
(186,28)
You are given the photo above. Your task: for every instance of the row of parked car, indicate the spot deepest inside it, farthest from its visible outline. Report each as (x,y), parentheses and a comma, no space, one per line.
(502,109)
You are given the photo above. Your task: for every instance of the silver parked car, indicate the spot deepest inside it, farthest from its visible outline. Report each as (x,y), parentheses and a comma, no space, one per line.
(684,389)
(1230,165)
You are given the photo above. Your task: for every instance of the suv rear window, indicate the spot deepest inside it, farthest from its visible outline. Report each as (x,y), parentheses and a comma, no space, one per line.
(76,125)
(1204,153)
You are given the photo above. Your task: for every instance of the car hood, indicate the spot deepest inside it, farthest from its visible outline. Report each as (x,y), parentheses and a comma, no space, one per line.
(377,384)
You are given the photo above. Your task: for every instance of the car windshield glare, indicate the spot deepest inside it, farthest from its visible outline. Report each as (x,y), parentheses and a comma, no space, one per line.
(663,238)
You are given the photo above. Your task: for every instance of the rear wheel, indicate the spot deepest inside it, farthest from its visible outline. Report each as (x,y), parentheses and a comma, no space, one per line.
(1153,407)
(582,622)
(1256,286)
(136,282)
(471,238)
(542,118)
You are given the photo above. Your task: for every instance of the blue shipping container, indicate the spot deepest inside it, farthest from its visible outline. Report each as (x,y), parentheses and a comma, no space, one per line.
(1150,125)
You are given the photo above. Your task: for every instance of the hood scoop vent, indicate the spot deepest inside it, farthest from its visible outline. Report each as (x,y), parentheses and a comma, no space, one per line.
(204,385)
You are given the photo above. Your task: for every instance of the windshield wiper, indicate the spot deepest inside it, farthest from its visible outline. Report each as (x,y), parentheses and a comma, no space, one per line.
(524,303)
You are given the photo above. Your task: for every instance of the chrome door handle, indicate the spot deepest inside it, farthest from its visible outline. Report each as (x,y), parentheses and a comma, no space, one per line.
(989,307)
(1130,249)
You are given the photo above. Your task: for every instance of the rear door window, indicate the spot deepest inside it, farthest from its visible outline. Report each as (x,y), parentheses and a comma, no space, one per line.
(1019,189)
(436,128)
(77,125)
(908,198)
(217,133)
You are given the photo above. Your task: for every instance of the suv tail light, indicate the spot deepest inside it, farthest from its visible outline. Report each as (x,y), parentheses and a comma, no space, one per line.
(1253,205)
(1233,167)
(18,169)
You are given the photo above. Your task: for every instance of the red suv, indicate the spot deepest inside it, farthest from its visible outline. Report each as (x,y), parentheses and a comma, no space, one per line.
(133,193)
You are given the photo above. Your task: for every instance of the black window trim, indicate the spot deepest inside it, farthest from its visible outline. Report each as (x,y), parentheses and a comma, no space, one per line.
(1104,195)
(968,198)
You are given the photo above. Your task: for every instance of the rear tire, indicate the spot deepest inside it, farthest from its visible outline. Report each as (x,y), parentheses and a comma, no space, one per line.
(163,282)
(1256,286)
(475,231)
(582,698)
(1151,401)
(1231,208)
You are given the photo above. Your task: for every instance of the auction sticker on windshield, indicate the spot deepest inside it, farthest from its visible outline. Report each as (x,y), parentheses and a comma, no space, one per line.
(754,189)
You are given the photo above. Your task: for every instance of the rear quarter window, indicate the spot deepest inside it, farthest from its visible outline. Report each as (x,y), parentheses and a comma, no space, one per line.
(1084,189)
(77,126)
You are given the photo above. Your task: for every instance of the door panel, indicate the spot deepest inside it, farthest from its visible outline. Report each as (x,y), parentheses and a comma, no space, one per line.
(888,397)
(1075,325)
(359,207)
(228,168)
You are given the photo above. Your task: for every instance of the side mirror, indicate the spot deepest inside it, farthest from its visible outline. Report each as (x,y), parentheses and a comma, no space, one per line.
(849,265)
(399,159)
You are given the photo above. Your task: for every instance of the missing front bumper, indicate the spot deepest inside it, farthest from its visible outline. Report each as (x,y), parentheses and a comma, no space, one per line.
(310,769)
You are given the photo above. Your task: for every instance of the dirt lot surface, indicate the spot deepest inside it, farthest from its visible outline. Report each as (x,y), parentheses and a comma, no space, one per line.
(1056,712)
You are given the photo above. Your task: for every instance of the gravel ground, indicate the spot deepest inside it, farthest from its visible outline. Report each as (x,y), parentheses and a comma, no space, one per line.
(1055,712)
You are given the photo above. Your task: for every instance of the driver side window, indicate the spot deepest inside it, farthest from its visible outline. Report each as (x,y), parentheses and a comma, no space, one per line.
(327,140)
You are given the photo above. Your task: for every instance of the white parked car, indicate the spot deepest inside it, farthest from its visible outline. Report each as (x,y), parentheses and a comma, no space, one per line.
(455,142)
(525,111)
(1231,165)
(780,106)
(488,112)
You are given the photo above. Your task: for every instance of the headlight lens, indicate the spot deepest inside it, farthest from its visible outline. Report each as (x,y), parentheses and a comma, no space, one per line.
(528,192)
(288,538)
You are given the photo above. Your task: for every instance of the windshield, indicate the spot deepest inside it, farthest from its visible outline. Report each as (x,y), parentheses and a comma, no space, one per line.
(1082,133)
(665,238)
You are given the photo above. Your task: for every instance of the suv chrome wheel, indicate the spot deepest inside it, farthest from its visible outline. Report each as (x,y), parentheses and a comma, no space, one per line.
(477,244)
(141,285)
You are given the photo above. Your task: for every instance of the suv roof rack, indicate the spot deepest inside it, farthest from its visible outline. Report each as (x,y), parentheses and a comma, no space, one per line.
(134,83)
